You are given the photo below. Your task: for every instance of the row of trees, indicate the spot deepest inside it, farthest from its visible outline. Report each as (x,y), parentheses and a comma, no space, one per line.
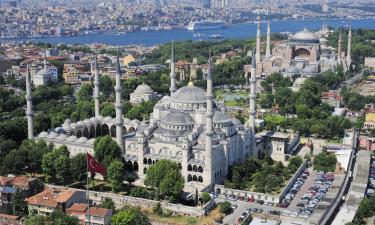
(261,175)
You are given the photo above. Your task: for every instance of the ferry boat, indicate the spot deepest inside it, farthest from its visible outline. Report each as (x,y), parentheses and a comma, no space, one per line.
(206,25)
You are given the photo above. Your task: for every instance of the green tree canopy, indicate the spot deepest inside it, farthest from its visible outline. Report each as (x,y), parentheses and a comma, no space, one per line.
(130,216)
(106,150)
(115,175)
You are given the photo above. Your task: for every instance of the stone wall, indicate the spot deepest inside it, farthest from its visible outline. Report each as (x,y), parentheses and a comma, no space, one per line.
(121,200)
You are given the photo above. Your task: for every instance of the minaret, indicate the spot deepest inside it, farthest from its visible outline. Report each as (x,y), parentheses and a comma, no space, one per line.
(118,106)
(339,46)
(173,73)
(29,107)
(348,54)
(208,167)
(257,56)
(96,88)
(45,60)
(268,48)
(252,104)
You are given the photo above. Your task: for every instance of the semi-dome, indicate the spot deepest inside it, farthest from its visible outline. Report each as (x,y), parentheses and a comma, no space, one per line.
(143,88)
(82,140)
(52,134)
(72,138)
(189,94)
(62,137)
(220,117)
(43,134)
(305,36)
(177,119)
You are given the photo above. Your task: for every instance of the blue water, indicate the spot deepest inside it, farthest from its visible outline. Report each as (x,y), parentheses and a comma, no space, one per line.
(237,31)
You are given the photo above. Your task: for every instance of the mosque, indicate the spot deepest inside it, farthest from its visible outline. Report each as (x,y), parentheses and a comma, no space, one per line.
(304,54)
(187,127)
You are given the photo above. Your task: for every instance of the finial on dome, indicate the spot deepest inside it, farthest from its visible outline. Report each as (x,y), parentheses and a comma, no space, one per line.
(190,83)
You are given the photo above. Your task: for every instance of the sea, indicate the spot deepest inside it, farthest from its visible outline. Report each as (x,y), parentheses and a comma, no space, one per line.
(235,31)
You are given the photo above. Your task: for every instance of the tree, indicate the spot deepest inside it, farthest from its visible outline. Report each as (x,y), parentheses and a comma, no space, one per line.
(172,185)
(15,162)
(107,109)
(115,175)
(157,172)
(130,216)
(55,218)
(225,207)
(166,177)
(106,150)
(85,93)
(107,204)
(19,204)
(157,209)
(50,164)
(62,166)
(78,167)
(294,163)
(206,197)
(325,162)
(35,220)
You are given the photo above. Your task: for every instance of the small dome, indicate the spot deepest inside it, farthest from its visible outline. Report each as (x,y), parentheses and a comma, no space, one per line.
(80,124)
(94,120)
(100,118)
(91,141)
(72,138)
(73,126)
(220,117)
(52,134)
(62,137)
(43,134)
(143,88)
(82,140)
(305,36)
(177,118)
(87,122)
(107,119)
(189,94)
(310,70)
(67,121)
(43,73)
(59,130)
(236,122)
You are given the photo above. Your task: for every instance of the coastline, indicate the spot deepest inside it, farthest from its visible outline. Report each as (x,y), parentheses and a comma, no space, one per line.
(232,31)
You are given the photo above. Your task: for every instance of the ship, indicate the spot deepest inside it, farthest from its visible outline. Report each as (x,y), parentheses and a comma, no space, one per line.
(206,25)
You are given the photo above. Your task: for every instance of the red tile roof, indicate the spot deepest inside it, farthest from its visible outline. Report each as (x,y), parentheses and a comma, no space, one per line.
(5,180)
(50,197)
(100,212)
(77,207)
(22,181)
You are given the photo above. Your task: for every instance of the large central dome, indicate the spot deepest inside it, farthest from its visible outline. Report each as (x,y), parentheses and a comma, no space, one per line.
(305,36)
(189,94)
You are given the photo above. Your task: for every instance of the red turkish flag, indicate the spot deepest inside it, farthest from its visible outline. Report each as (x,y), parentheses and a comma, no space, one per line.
(94,166)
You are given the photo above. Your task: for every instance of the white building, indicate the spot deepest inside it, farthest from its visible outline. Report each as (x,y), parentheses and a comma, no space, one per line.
(142,93)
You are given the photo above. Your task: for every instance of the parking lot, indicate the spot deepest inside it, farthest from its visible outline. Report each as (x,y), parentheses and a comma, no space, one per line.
(371,179)
(243,206)
(309,194)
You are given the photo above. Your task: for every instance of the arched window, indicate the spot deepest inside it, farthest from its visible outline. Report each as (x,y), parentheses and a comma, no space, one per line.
(200,179)
(79,134)
(195,178)
(189,168)
(144,161)
(105,130)
(189,178)
(113,131)
(195,168)
(149,161)
(135,166)
(200,169)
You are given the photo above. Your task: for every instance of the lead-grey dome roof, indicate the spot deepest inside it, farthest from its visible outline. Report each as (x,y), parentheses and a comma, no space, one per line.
(305,36)
(143,88)
(177,118)
(189,94)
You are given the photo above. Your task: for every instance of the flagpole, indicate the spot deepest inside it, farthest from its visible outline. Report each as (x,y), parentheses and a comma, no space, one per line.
(87,187)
